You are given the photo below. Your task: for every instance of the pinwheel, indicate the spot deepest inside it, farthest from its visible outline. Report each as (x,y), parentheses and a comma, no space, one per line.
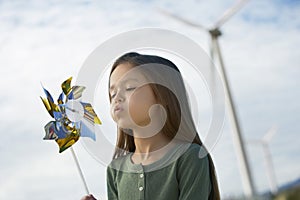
(72,119)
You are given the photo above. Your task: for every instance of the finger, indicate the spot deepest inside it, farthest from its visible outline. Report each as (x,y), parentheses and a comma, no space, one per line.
(92,197)
(88,197)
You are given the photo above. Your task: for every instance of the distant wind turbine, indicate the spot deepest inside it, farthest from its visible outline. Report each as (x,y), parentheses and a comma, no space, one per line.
(215,33)
(264,142)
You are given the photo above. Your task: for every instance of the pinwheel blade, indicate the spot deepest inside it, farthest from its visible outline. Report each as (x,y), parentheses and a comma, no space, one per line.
(48,95)
(50,130)
(60,99)
(48,106)
(67,142)
(66,86)
(55,130)
(77,91)
(89,114)
(87,130)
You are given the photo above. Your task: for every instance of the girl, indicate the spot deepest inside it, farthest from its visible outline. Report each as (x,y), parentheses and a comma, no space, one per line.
(158,154)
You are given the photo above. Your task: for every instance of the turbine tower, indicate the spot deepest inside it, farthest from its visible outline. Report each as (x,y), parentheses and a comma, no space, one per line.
(215,33)
(264,142)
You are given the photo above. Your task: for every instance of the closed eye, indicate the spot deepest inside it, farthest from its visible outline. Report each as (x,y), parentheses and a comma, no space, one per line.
(113,95)
(129,89)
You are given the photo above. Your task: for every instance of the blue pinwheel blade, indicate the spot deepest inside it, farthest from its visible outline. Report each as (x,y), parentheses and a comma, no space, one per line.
(60,131)
(57,115)
(60,99)
(48,95)
(87,131)
(70,96)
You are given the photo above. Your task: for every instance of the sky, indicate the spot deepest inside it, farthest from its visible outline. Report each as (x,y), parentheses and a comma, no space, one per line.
(48,41)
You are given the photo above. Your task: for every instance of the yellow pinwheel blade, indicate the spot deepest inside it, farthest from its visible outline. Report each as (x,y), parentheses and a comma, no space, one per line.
(97,120)
(66,86)
(48,106)
(89,114)
(67,142)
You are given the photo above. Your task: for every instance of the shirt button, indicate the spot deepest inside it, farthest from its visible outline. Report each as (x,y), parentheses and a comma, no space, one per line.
(141,188)
(141,175)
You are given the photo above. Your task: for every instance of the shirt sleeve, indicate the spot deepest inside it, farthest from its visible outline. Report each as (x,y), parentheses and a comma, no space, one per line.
(112,191)
(193,176)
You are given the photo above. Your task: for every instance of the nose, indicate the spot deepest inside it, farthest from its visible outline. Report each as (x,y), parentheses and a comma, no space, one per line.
(119,97)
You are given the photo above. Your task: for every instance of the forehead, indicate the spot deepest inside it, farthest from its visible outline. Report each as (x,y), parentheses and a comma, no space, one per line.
(125,72)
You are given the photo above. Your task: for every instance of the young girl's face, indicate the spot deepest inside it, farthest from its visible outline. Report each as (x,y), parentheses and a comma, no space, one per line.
(130,99)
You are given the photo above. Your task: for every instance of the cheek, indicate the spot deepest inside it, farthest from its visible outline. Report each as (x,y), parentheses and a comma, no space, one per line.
(111,113)
(135,106)
(139,105)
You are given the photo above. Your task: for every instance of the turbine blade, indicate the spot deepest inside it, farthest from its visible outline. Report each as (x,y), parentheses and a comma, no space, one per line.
(268,136)
(182,20)
(229,13)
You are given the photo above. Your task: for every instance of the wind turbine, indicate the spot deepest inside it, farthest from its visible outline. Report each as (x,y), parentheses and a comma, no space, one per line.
(264,142)
(215,33)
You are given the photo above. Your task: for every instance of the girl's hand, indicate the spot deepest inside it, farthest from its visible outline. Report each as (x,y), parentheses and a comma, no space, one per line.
(88,197)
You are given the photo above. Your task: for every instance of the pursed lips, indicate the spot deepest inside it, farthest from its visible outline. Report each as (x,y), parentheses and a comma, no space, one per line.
(118,109)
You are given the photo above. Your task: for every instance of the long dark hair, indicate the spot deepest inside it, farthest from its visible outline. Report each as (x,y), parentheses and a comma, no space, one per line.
(178,110)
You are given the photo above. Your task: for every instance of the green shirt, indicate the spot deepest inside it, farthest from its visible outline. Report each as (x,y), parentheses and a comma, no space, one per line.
(183,178)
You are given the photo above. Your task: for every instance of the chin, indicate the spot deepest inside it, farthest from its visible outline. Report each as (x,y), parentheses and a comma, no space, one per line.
(124,124)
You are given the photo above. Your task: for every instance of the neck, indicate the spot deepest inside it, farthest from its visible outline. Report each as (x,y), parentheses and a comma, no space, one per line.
(150,144)
(146,149)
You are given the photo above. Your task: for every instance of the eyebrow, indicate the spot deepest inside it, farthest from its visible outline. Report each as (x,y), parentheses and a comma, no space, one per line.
(131,79)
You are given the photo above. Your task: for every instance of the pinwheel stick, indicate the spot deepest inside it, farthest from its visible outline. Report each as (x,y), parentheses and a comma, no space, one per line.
(80,171)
